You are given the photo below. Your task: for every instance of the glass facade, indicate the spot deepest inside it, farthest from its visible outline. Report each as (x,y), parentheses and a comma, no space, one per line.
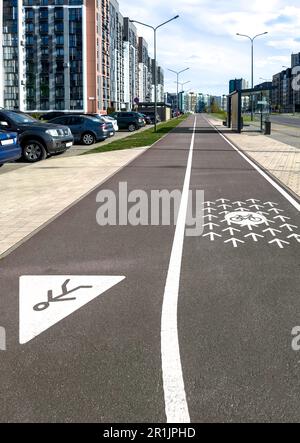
(52,41)
(10,54)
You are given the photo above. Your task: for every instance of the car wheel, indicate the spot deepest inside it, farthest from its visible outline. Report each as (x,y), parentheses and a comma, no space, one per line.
(131,128)
(88,139)
(33,151)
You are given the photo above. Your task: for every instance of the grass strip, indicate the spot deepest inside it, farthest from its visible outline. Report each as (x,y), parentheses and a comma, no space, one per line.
(139,139)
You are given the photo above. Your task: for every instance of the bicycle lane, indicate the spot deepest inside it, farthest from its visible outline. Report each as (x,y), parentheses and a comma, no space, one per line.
(102,363)
(239,293)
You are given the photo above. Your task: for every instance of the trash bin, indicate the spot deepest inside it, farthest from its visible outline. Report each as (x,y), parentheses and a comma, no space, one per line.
(267,128)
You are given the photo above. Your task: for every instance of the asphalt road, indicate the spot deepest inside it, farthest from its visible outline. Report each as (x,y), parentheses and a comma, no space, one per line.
(238,300)
(288,120)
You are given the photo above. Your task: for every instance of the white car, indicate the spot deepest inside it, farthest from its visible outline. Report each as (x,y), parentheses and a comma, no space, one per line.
(109,119)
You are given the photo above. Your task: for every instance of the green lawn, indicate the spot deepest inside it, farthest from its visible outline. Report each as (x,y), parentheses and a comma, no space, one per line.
(139,138)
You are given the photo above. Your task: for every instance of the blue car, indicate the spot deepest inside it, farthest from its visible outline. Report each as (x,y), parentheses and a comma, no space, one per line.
(10,149)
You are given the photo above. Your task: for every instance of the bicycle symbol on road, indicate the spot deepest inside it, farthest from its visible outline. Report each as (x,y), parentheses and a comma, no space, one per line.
(246,218)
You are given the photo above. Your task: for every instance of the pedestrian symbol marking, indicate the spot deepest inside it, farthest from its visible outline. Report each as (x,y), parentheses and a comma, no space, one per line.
(45,300)
(45,305)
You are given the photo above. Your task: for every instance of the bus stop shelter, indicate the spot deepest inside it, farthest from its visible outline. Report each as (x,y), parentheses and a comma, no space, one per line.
(249,110)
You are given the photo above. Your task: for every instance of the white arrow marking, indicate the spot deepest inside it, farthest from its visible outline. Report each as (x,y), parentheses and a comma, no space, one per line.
(267,222)
(254,236)
(252,200)
(263,213)
(244,209)
(296,236)
(256,206)
(47,299)
(227,221)
(211,225)
(279,242)
(212,235)
(224,212)
(222,200)
(209,216)
(289,227)
(234,241)
(209,209)
(282,218)
(231,230)
(272,231)
(271,204)
(224,206)
(277,211)
(210,203)
(239,203)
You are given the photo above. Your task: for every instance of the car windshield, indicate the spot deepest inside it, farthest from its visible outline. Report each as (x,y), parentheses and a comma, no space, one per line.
(20,118)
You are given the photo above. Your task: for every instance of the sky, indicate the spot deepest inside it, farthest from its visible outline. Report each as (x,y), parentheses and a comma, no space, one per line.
(204,38)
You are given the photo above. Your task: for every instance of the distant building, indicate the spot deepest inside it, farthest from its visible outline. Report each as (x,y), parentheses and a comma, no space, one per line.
(143,60)
(295,60)
(282,93)
(131,71)
(237,85)
(116,57)
(171,99)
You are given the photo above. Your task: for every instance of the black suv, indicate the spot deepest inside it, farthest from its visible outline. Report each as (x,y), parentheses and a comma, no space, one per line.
(129,120)
(37,140)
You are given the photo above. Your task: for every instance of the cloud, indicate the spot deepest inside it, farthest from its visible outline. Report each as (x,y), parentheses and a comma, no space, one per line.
(204,38)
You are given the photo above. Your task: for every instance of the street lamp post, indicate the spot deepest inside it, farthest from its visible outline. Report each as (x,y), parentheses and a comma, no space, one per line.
(252,64)
(155,59)
(178,74)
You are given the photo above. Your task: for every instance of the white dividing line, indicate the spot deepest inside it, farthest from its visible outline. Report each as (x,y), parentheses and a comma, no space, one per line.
(175,398)
(266,176)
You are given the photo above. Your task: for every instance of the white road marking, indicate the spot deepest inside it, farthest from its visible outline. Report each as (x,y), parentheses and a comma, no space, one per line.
(279,242)
(234,241)
(254,236)
(264,174)
(174,391)
(47,299)
(212,235)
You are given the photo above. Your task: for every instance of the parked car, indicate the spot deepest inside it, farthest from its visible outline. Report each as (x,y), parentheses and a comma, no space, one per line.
(107,119)
(10,149)
(51,115)
(147,119)
(86,129)
(113,121)
(37,139)
(151,116)
(129,120)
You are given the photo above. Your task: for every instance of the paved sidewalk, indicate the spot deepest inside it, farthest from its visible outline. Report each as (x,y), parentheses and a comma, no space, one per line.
(279,159)
(34,195)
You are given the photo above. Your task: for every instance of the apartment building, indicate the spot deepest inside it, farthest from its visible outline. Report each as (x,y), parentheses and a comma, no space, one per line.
(71,55)
(116,57)
(55,55)
(143,59)
(131,71)
(284,97)
(159,81)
